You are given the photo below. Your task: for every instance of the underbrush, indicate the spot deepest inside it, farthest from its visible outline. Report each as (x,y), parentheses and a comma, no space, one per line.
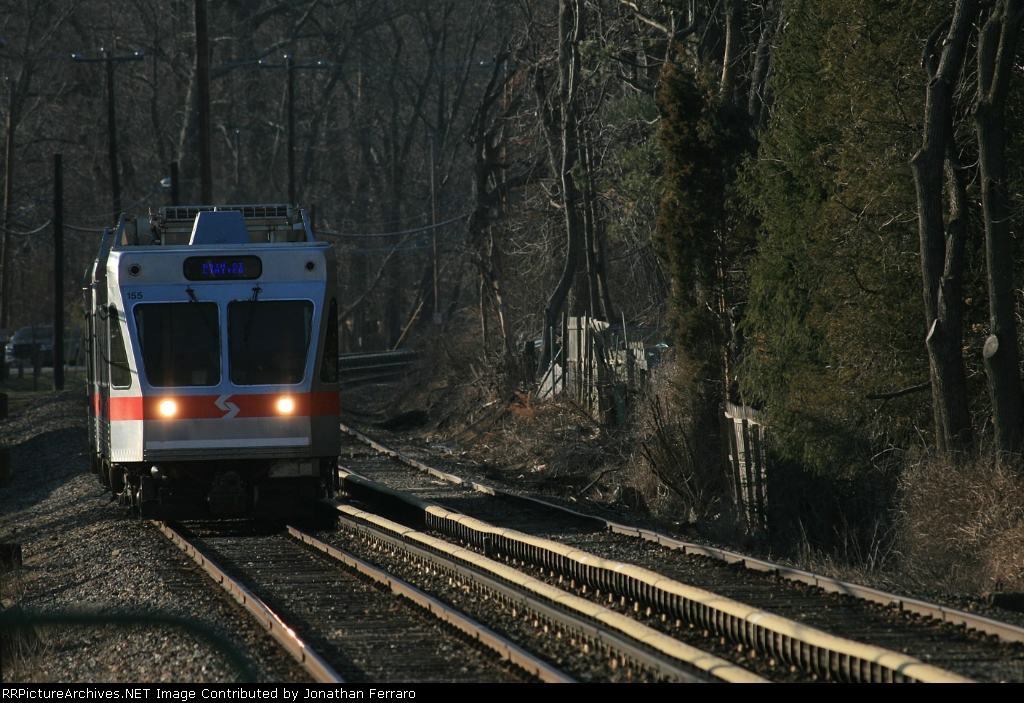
(654,461)
(678,461)
(484,407)
(931,525)
(911,523)
(962,526)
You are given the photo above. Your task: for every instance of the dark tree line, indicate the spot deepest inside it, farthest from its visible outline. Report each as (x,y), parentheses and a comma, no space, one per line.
(991,32)
(889,122)
(441,145)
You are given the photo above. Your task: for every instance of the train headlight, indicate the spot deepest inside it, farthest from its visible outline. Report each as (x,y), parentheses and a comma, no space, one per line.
(168,408)
(285,405)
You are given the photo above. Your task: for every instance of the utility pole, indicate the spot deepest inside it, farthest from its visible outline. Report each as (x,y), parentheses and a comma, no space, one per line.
(433,221)
(238,167)
(58,273)
(108,61)
(5,241)
(290,71)
(203,103)
(290,66)
(175,188)
(5,252)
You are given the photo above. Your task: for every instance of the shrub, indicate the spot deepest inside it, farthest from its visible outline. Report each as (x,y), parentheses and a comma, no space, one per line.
(962,525)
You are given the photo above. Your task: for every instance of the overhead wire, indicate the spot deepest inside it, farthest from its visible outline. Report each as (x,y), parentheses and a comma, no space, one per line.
(402,233)
(443,205)
(37,230)
(38,203)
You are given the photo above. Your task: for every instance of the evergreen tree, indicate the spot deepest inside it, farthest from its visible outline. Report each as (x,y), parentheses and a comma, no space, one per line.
(834,317)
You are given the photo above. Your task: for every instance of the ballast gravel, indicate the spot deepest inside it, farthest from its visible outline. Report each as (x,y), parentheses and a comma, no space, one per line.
(84,560)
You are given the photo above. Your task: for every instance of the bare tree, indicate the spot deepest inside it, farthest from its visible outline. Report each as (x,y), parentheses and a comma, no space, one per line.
(997,49)
(561,118)
(491,185)
(942,244)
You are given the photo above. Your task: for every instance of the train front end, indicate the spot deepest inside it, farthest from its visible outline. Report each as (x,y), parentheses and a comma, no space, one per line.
(216,375)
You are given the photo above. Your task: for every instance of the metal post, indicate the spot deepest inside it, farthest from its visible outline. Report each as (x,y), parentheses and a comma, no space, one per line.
(565,350)
(551,334)
(58,273)
(628,358)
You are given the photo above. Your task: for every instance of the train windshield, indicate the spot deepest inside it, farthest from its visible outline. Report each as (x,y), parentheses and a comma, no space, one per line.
(180,343)
(268,340)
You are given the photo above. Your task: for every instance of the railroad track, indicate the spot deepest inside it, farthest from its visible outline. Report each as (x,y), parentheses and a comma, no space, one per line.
(591,642)
(375,367)
(586,641)
(853,633)
(346,621)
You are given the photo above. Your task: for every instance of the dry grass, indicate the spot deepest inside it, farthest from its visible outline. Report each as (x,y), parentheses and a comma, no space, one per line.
(677,459)
(650,464)
(20,647)
(962,526)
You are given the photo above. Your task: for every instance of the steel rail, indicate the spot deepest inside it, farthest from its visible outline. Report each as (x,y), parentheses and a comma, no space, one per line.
(506,649)
(363,367)
(384,366)
(307,657)
(402,355)
(351,379)
(809,648)
(1005,631)
(641,644)
(792,642)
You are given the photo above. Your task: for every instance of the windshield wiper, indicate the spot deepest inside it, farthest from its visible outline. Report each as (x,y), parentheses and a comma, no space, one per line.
(252,308)
(206,321)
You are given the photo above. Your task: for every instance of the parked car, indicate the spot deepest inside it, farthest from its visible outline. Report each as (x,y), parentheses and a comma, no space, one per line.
(27,341)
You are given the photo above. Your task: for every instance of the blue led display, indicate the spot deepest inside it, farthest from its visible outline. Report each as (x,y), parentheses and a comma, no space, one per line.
(223,268)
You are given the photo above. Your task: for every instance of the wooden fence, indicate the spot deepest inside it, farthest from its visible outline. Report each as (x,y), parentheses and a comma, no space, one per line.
(743,436)
(599,367)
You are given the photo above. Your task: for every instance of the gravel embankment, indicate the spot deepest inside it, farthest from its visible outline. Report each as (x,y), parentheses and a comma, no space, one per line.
(83,555)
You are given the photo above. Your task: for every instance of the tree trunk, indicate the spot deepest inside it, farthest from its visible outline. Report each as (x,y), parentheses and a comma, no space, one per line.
(996,48)
(570,22)
(487,138)
(600,295)
(730,58)
(497,281)
(482,298)
(942,249)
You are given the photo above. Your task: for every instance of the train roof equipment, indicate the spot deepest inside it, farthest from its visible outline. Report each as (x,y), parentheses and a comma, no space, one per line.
(217,225)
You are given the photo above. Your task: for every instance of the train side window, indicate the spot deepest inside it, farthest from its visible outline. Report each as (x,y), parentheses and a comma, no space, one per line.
(268,341)
(179,343)
(102,360)
(120,372)
(329,365)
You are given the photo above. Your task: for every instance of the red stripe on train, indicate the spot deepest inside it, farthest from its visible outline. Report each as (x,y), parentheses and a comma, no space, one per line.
(212,407)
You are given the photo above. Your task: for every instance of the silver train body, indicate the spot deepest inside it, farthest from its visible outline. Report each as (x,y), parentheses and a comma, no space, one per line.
(213,362)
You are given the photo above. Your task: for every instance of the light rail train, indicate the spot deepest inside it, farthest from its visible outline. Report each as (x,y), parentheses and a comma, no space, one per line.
(213,362)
